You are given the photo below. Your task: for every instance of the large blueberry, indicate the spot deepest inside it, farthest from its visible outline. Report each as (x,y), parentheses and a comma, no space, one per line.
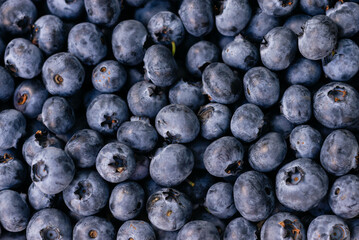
(261,87)
(335,105)
(57,115)
(214,118)
(115,162)
(319,37)
(344,196)
(127,200)
(84,146)
(12,171)
(102,12)
(29,97)
(171,165)
(254,196)
(63,74)
(49,223)
(339,153)
(268,152)
(177,123)
(240,229)
(39,200)
(135,229)
(197,16)
(301,184)
(304,72)
(93,227)
(219,200)
(106,112)
(168,209)
(108,76)
(160,66)
(328,225)
(277,8)
(247,122)
(198,230)
(306,141)
(224,157)
(187,93)
(128,39)
(52,170)
(23,58)
(221,84)
(65,9)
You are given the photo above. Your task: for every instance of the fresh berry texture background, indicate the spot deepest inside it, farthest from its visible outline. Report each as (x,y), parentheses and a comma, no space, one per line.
(179,119)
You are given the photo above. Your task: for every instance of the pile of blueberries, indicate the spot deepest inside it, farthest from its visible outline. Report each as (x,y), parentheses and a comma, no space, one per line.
(179,119)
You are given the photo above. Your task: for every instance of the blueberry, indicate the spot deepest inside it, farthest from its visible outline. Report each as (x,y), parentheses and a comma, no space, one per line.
(140,135)
(17,16)
(206,216)
(339,153)
(14,211)
(268,152)
(282,226)
(200,55)
(197,230)
(319,37)
(29,97)
(196,185)
(214,118)
(306,141)
(335,105)
(168,209)
(93,228)
(343,63)
(151,8)
(37,142)
(330,226)
(87,43)
(240,53)
(66,9)
(187,93)
(224,157)
(23,58)
(277,8)
(135,229)
(109,76)
(171,165)
(301,184)
(160,66)
(104,13)
(146,99)
(128,39)
(106,113)
(39,200)
(63,74)
(87,194)
(48,33)
(254,196)
(12,128)
(127,200)
(12,171)
(278,48)
(232,16)
(296,104)
(49,223)
(57,115)
(165,27)
(7,84)
(221,84)
(177,123)
(219,200)
(197,17)
(259,25)
(247,122)
(303,72)
(344,195)
(115,162)
(261,87)
(296,22)
(83,147)
(346,16)
(52,170)
(240,229)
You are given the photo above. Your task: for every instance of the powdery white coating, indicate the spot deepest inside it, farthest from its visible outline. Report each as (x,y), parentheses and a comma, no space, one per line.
(277,8)
(12,128)
(136,229)
(84,227)
(240,229)
(198,230)
(305,141)
(65,9)
(328,225)
(102,12)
